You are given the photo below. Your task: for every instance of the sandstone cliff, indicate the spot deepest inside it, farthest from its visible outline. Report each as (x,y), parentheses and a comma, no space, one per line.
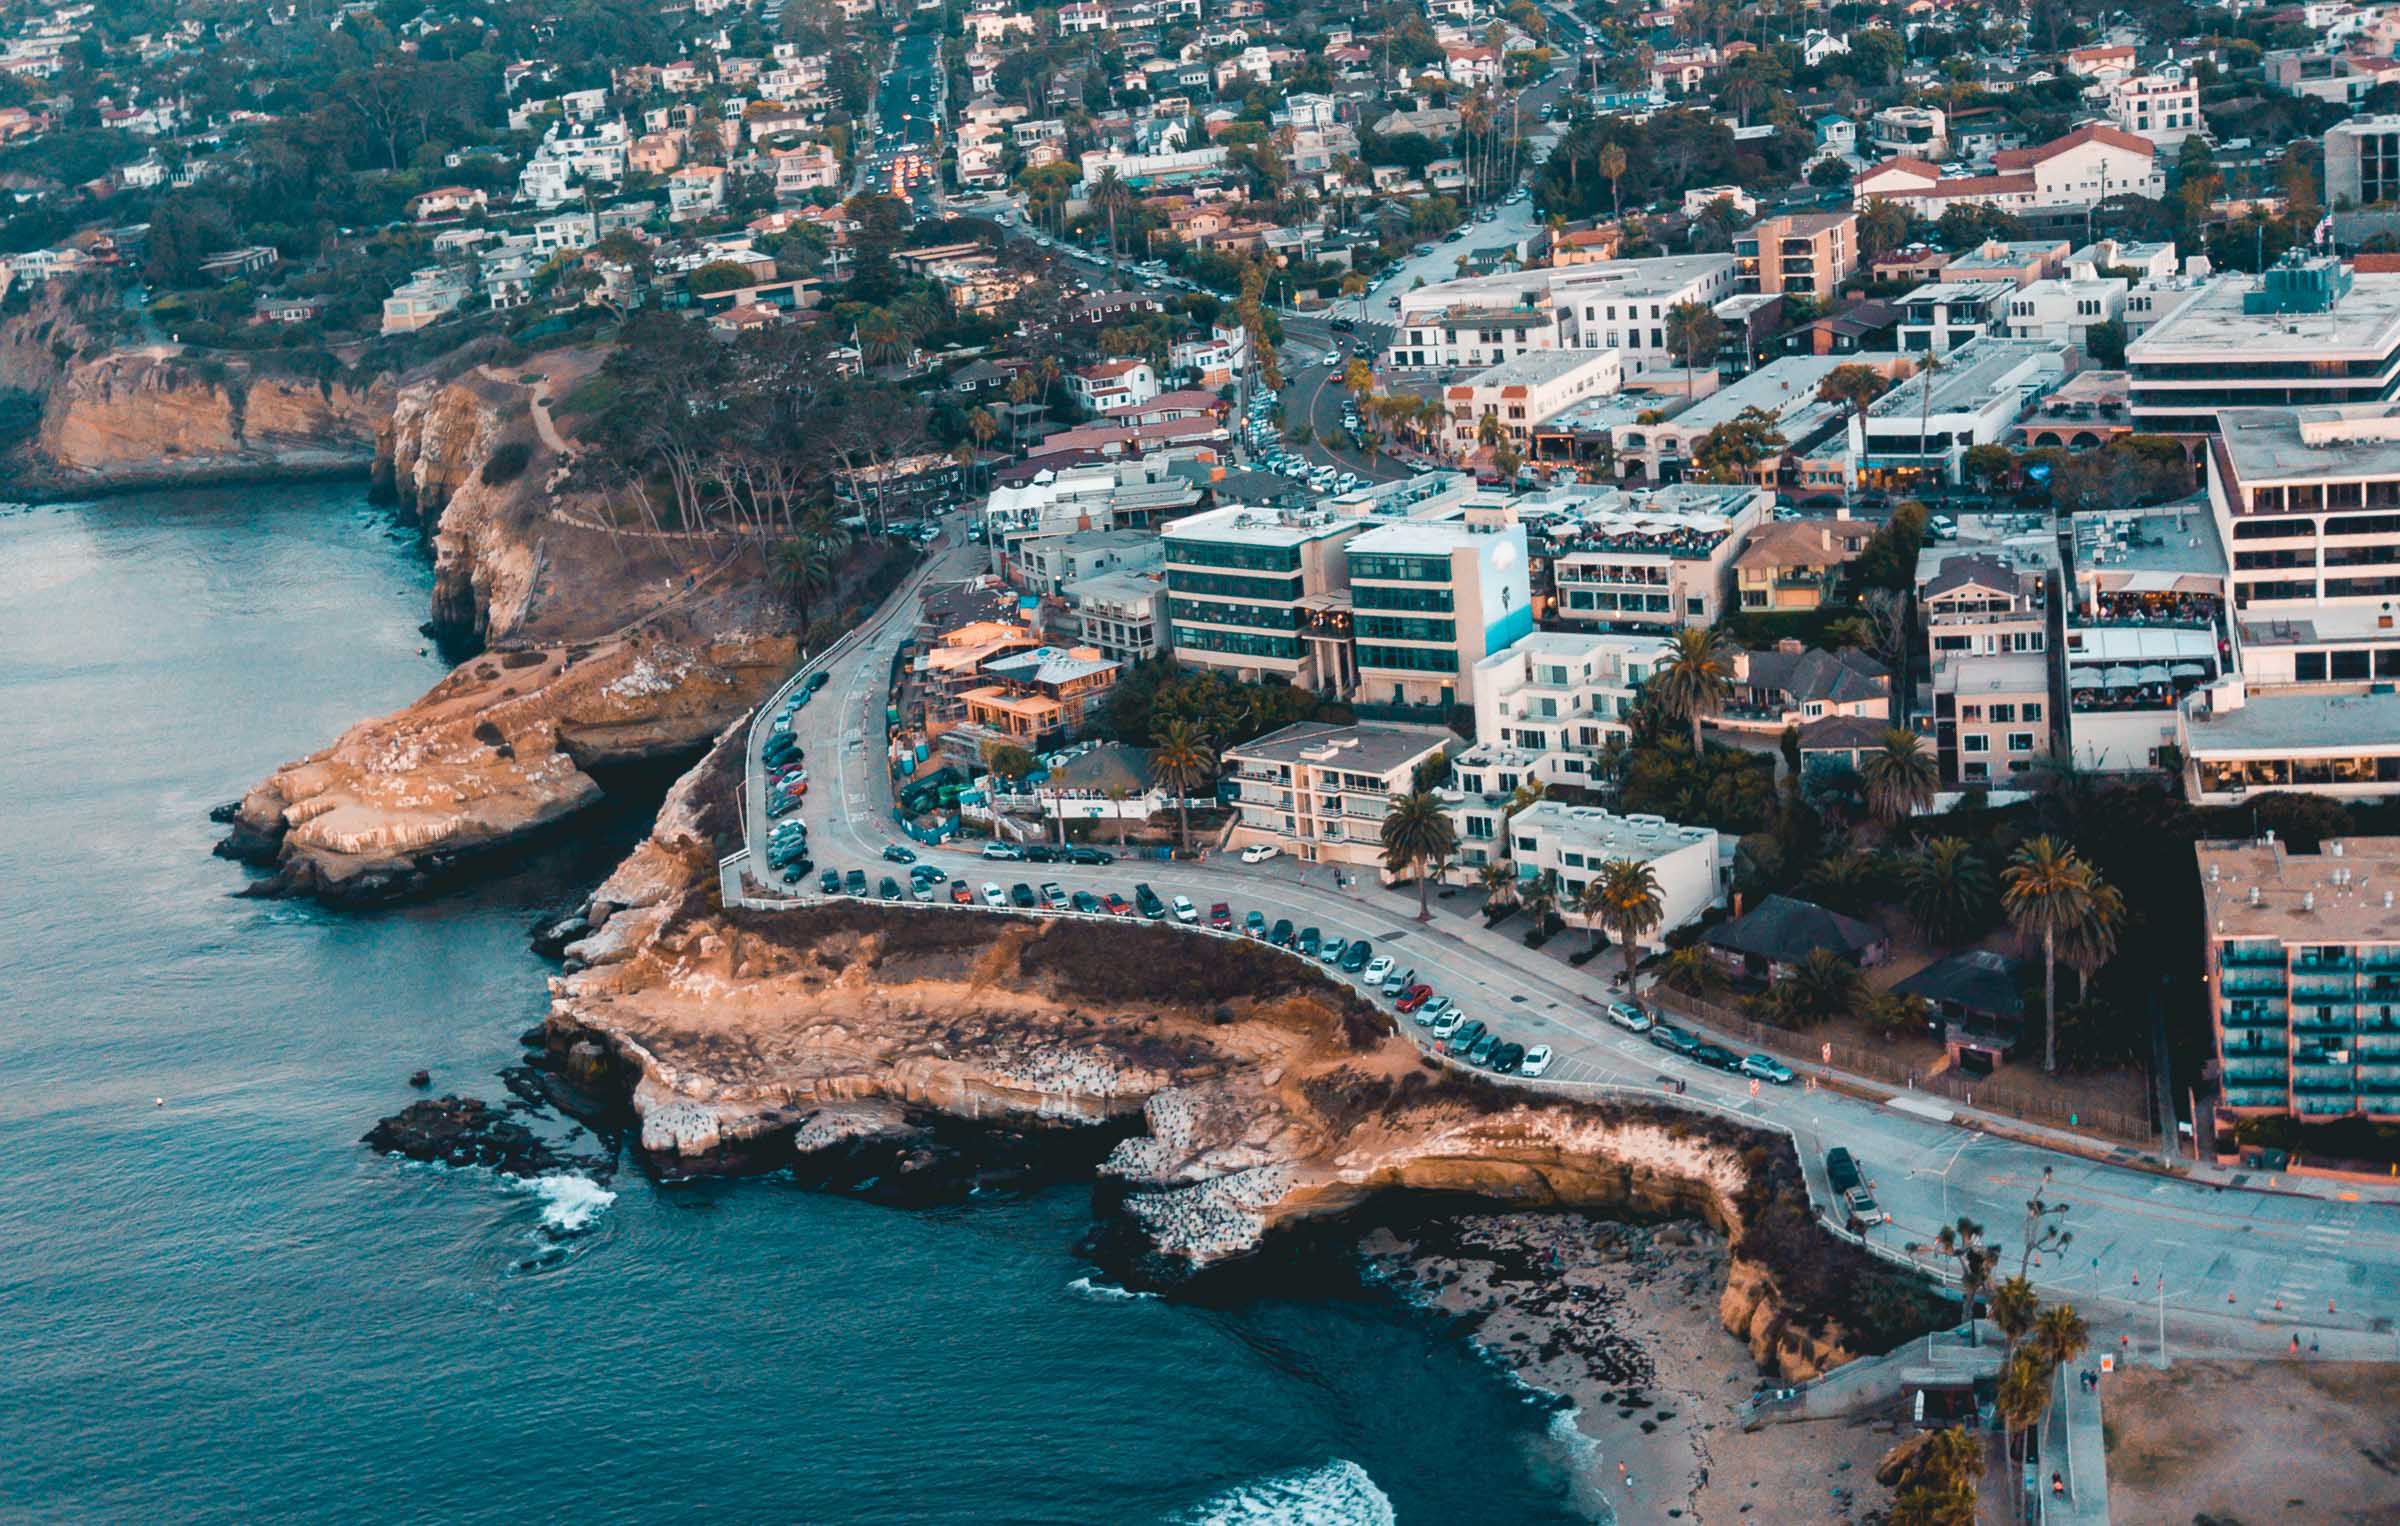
(1266,1097)
(137,418)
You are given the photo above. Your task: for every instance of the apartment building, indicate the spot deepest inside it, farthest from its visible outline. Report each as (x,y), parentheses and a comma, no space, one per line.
(1121,615)
(2067,309)
(1987,611)
(1976,399)
(1039,699)
(1519,394)
(2080,170)
(2309,331)
(1793,564)
(1656,559)
(1428,602)
(1619,305)
(2163,107)
(2362,162)
(1250,592)
(1785,390)
(1947,315)
(1321,792)
(1805,253)
(1548,708)
(2303,977)
(1578,842)
(2309,501)
(2145,626)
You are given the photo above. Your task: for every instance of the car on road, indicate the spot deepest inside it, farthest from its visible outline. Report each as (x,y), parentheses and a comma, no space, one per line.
(1117,905)
(1088,856)
(830,882)
(1259,852)
(1040,853)
(1054,897)
(1332,949)
(889,889)
(993,895)
(1354,958)
(1281,935)
(1003,850)
(1716,1057)
(1765,1067)
(855,882)
(1668,1036)
(818,680)
(1255,924)
(1381,970)
(895,854)
(927,874)
(1220,917)
(961,893)
(1536,1061)
(1186,912)
(1021,894)
(1630,1017)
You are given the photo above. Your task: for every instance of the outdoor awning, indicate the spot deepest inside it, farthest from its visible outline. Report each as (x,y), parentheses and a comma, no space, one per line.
(2151,675)
(2148,582)
(2188,670)
(2119,678)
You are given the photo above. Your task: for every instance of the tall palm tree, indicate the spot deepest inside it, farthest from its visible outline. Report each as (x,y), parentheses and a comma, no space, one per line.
(2090,944)
(1963,1243)
(1611,164)
(1946,889)
(2013,1305)
(981,426)
(1117,796)
(1499,883)
(1417,835)
(803,566)
(2060,1334)
(1926,373)
(1695,678)
(1540,896)
(2047,891)
(1631,906)
(1901,776)
(1182,762)
(2024,1389)
(1110,194)
(1591,901)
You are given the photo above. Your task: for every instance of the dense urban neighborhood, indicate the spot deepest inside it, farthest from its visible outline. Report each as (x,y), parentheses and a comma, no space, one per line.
(1831,564)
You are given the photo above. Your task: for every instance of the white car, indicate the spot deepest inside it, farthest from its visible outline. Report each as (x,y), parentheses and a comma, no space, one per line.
(1537,1060)
(1448,1022)
(1379,971)
(993,895)
(1259,852)
(1185,911)
(1629,1017)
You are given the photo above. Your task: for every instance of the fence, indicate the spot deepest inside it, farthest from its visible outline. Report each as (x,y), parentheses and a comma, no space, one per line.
(1991,1095)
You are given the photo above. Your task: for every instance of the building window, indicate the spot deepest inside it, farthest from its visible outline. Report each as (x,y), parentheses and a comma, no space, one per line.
(1975,742)
(2020,741)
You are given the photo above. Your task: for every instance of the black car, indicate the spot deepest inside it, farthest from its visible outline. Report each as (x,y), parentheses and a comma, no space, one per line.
(925,874)
(1716,1055)
(1089,856)
(1281,935)
(1146,901)
(890,888)
(1021,894)
(1040,853)
(1505,1059)
(1668,1036)
(1468,1035)
(830,882)
(855,882)
(817,680)
(895,854)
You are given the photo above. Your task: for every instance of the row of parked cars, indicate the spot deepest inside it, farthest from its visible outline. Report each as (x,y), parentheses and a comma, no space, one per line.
(1759,1067)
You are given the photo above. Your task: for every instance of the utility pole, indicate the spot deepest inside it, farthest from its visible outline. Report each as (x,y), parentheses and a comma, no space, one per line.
(2162,1319)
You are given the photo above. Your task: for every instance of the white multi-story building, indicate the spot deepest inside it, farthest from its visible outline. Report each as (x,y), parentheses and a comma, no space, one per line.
(1976,399)
(2163,107)
(570,157)
(1429,600)
(1578,842)
(1653,559)
(2066,309)
(1617,305)
(2082,169)
(1520,393)
(1547,708)
(1321,792)
(1250,592)
(2309,331)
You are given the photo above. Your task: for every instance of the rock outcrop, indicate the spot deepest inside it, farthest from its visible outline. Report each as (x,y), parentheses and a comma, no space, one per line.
(1252,1095)
(153,417)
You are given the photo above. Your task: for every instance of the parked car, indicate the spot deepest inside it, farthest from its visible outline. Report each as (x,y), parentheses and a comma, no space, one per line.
(1332,949)
(1480,1052)
(1536,1061)
(1435,1008)
(1464,1031)
(1446,1025)
(1220,917)
(1146,901)
(1381,970)
(1086,902)
(993,895)
(1399,982)
(1765,1067)
(1089,856)
(1668,1036)
(1354,958)
(1255,924)
(961,894)
(1415,997)
(1021,894)
(889,889)
(1054,897)
(1716,1056)
(1040,853)
(1117,905)
(1628,1016)
(1310,940)
(1185,911)
(830,882)
(895,854)
(918,890)
(1505,1058)
(1281,937)
(1259,852)
(1006,850)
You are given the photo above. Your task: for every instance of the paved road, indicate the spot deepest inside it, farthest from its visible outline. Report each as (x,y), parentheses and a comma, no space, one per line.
(2129,1226)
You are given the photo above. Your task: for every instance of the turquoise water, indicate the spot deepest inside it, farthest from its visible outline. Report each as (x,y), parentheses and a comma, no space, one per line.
(222,1308)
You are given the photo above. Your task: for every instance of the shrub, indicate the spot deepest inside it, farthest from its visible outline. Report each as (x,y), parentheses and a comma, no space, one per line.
(507,463)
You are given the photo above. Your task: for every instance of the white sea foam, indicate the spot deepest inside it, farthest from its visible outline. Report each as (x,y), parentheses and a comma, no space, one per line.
(1338,1494)
(1092,1287)
(570,1204)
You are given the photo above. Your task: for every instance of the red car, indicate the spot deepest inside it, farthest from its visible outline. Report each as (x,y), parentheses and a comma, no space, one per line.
(1415,997)
(1220,917)
(1118,906)
(961,894)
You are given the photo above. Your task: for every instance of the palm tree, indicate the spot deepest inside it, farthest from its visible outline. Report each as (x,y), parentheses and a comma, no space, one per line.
(1693,329)
(1110,194)
(1182,762)
(2047,891)
(1690,971)
(1900,776)
(1632,906)
(1611,164)
(1925,375)
(1591,900)
(2090,944)
(1824,986)
(1117,796)
(1499,883)
(981,426)
(803,565)
(1946,889)
(2013,1306)
(2024,1390)
(1532,792)
(1540,896)
(2060,1334)
(1417,835)
(1696,677)
(1963,1243)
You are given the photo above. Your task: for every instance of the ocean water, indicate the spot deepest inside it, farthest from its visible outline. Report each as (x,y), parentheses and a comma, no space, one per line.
(220,1307)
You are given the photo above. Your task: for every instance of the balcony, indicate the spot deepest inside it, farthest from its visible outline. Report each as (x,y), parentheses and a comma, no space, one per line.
(2254,982)
(2322,964)
(2233,954)
(2323,1078)
(2380,958)
(2326,1106)
(2274,1097)
(2255,1073)
(2339,992)
(1254,794)
(2252,1014)
(2255,1041)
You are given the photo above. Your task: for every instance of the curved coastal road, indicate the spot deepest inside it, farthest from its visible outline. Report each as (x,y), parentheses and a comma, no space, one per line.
(2228,1257)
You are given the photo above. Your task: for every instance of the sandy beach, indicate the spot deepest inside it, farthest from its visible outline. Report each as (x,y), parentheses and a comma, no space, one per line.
(1620,1321)
(2254,1441)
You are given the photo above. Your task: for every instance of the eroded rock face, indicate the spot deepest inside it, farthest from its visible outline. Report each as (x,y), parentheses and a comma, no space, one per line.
(497,751)
(142,417)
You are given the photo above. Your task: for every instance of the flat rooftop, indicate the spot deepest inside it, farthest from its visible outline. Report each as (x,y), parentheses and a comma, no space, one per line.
(1258,527)
(1955,291)
(1357,749)
(1613,280)
(1603,834)
(2274,444)
(2177,539)
(2299,898)
(2015,673)
(2212,325)
(1420,537)
(1534,368)
(2287,721)
(2311,624)
(1972,376)
(1784,388)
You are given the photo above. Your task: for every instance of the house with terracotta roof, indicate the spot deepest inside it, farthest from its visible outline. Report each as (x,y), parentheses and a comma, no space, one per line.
(2087,166)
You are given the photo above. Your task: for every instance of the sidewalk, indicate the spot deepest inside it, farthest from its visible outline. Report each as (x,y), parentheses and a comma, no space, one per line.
(2075,1447)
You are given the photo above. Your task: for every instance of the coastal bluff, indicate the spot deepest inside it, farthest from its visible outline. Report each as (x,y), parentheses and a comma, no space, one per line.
(1240,1096)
